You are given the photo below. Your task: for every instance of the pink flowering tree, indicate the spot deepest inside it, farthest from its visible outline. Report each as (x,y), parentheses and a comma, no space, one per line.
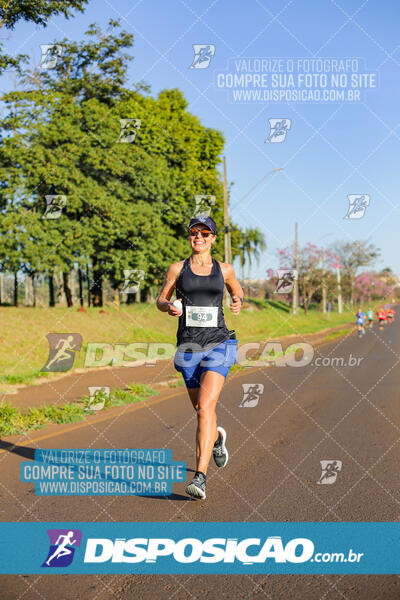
(272,283)
(314,265)
(368,286)
(355,255)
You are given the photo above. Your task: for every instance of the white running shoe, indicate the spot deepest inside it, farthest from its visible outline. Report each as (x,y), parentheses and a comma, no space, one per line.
(220,453)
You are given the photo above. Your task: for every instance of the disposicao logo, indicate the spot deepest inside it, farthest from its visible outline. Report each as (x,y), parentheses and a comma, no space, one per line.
(62,547)
(190,550)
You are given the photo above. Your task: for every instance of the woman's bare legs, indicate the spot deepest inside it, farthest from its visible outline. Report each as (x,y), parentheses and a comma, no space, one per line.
(204,400)
(194,396)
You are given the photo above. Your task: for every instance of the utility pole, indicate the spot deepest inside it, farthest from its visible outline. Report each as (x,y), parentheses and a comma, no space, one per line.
(228,251)
(295,299)
(339,288)
(227,231)
(324,290)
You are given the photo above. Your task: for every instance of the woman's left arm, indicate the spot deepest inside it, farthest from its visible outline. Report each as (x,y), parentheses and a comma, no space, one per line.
(234,288)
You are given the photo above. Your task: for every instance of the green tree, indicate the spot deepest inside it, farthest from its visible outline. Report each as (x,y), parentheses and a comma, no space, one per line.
(353,256)
(251,244)
(37,11)
(128,205)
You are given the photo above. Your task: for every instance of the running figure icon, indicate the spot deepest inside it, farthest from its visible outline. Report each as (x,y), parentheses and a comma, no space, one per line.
(330,470)
(62,549)
(62,354)
(63,348)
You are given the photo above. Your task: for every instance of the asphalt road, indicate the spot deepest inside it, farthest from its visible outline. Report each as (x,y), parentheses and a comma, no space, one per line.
(305,415)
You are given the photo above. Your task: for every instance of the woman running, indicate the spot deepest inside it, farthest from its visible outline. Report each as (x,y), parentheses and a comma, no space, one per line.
(360,320)
(370,316)
(381,314)
(206,349)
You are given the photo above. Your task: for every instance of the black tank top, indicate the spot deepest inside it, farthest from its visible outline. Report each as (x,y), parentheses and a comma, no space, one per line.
(199,291)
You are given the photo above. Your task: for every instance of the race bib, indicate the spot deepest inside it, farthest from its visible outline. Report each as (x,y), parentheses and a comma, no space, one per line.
(201,316)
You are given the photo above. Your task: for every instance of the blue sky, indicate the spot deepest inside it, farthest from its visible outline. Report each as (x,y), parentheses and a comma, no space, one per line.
(331,149)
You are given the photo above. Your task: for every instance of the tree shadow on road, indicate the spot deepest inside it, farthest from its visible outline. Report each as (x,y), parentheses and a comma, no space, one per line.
(29,453)
(24,451)
(177,497)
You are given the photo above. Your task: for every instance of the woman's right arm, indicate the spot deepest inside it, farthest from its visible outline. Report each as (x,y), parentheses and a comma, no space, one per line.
(163,300)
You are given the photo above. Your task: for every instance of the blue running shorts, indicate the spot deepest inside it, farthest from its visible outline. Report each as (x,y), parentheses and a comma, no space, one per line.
(219,359)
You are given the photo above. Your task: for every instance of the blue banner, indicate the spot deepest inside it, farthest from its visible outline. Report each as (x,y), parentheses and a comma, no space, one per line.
(207,548)
(115,472)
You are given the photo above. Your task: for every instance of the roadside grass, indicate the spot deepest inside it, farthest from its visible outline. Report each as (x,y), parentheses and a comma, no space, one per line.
(272,356)
(14,422)
(175,384)
(23,330)
(336,334)
(26,378)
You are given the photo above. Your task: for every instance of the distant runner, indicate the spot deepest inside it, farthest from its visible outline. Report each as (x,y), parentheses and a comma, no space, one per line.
(381,314)
(360,320)
(370,317)
(390,314)
(206,349)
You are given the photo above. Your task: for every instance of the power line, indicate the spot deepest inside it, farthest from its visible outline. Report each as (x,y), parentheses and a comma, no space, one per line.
(256,185)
